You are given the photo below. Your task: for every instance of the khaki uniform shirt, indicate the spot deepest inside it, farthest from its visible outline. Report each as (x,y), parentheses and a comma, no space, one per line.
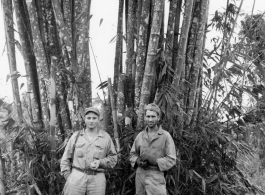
(160,147)
(100,148)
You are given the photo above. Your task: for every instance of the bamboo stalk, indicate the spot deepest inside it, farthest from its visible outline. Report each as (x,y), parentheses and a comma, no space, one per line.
(54,59)
(149,67)
(84,70)
(10,44)
(118,52)
(141,50)
(64,34)
(121,96)
(2,173)
(130,39)
(41,62)
(198,28)
(114,116)
(29,61)
(170,32)
(176,34)
(183,43)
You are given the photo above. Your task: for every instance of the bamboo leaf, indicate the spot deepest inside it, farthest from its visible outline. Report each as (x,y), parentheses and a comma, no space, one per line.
(213,178)
(251,78)
(198,175)
(4,49)
(113,39)
(7,77)
(203,185)
(78,17)
(90,17)
(22,84)
(190,174)
(101,20)
(37,189)
(102,85)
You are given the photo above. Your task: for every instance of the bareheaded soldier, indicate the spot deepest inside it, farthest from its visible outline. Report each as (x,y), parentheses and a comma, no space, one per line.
(153,152)
(87,154)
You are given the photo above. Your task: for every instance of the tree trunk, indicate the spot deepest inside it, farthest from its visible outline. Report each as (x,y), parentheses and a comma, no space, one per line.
(41,61)
(114,116)
(141,50)
(149,67)
(10,45)
(2,186)
(138,19)
(118,53)
(63,30)
(126,7)
(183,44)
(54,59)
(83,58)
(198,32)
(130,61)
(106,116)
(54,62)
(170,32)
(121,96)
(176,34)
(69,49)
(29,61)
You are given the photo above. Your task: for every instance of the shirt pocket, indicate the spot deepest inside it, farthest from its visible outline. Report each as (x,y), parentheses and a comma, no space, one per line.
(156,151)
(99,151)
(144,150)
(79,150)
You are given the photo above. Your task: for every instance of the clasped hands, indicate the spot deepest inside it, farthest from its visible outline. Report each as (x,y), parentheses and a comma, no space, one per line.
(146,160)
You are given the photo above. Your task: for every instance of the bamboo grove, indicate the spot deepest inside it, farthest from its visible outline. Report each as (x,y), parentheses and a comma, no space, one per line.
(169,67)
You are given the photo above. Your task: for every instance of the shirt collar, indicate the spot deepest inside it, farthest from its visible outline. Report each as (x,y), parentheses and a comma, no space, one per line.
(99,134)
(159,132)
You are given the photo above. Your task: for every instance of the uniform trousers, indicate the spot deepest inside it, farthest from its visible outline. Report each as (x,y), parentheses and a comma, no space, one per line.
(150,182)
(79,183)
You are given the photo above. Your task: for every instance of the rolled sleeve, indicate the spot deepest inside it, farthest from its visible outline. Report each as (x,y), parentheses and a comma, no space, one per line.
(111,156)
(65,164)
(134,153)
(169,160)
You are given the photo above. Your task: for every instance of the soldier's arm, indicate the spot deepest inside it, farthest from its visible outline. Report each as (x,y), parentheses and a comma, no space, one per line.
(111,158)
(169,160)
(135,151)
(65,164)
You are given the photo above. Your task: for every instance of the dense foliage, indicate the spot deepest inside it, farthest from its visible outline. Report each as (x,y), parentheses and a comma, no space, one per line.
(204,109)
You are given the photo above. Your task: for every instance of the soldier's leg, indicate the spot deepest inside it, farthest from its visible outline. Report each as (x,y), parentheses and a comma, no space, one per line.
(97,184)
(140,182)
(75,184)
(155,183)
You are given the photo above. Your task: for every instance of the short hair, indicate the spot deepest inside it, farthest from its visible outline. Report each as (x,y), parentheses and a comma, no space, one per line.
(152,107)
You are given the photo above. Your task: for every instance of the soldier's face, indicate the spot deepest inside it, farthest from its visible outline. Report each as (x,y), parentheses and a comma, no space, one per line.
(91,120)
(151,118)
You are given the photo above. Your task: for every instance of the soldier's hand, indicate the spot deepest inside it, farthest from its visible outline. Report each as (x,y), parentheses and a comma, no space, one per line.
(150,159)
(141,163)
(144,164)
(95,164)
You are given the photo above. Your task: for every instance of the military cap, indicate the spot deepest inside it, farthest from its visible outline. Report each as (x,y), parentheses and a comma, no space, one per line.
(153,107)
(91,109)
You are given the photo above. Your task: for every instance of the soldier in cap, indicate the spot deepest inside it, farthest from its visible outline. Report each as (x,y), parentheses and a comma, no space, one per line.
(87,154)
(152,153)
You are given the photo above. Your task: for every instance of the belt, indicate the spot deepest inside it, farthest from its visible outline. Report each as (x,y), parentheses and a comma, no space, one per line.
(154,168)
(88,171)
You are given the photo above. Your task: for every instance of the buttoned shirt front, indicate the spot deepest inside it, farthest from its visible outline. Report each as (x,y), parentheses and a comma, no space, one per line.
(161,147)
(100,148)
